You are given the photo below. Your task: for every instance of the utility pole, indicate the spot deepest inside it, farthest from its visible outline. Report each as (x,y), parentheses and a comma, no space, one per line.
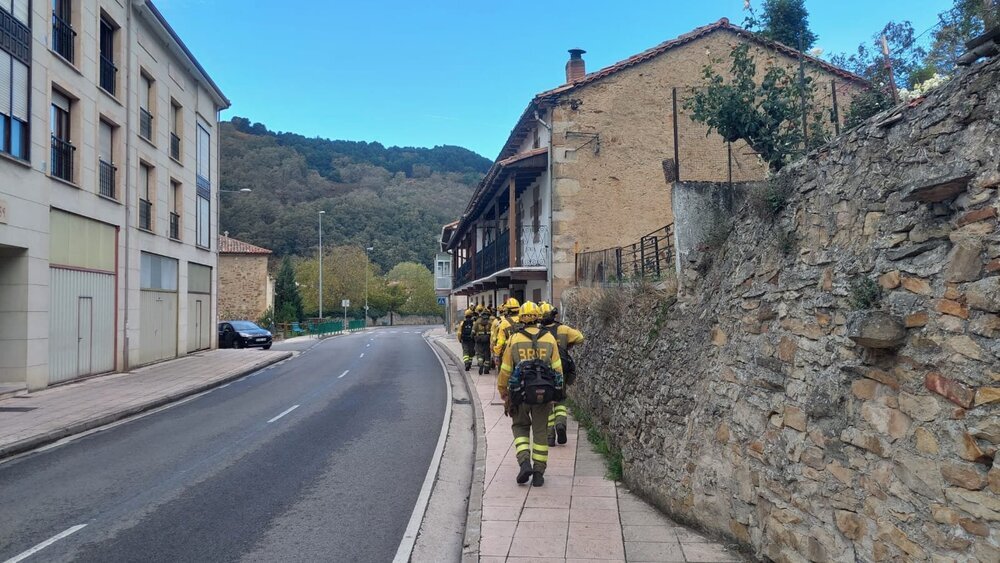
(888,69)
(321,213)
(367,250)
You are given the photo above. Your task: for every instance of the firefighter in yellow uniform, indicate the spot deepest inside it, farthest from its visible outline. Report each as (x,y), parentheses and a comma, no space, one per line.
(481,335)
(508,324)
(529,420)
(567,337)
(465,336)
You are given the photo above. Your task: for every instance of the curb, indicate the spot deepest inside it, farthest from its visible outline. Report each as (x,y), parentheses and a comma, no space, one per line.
(474,514)
(33,442)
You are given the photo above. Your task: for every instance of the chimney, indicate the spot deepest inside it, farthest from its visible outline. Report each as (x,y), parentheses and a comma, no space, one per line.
(575,67)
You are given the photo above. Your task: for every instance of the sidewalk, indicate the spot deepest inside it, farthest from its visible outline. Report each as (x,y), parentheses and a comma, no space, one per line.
(579,514)
(30,420)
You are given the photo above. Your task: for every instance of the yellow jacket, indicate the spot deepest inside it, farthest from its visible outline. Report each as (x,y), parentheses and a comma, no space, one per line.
(566,335)
(503,333)
(520,348)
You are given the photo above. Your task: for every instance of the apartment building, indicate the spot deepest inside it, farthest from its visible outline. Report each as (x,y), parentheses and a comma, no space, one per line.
(591,164)
(108,191)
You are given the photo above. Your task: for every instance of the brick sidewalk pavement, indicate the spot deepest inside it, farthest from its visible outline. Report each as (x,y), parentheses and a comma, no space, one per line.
(30,420)
(579,514)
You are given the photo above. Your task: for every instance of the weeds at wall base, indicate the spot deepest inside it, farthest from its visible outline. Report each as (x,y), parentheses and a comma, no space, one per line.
(599,443)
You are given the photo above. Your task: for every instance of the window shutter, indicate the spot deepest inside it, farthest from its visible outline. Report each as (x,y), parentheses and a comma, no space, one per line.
(144,181)
(144,93)
(19,89)
(5,85)
(60,101)
(104,143)
(204,153)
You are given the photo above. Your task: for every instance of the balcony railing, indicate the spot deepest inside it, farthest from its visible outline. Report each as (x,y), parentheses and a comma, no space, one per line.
(175,226)
(651,258)
(107,179)
(464,274)
(62,159)
(62,37)
(109,75)
(532,246)
(145,215)
(175,146)
(145,124)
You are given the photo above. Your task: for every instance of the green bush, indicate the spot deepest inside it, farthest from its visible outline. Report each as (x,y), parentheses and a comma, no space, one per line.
(865,293)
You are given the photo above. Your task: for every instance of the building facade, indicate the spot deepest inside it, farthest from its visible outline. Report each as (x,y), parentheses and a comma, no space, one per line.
(591,164)
(246,291)
(108,191)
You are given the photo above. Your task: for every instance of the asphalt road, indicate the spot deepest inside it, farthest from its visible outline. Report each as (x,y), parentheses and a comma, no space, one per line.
(223,477)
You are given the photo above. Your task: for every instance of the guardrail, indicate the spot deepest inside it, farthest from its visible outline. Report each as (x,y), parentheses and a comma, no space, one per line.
(650,258)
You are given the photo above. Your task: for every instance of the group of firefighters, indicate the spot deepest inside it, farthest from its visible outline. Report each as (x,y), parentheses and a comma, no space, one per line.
(514,336)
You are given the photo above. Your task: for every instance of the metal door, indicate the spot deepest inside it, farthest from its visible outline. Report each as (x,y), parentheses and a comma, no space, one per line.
(84,335)
(197,324)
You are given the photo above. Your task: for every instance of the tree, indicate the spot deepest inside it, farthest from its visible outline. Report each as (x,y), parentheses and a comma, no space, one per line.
(287,301)
(784,21)
(963,21)
(419,284)
(767,115)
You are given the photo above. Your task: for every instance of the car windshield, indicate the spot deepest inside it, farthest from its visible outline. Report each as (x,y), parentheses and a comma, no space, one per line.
(244,325)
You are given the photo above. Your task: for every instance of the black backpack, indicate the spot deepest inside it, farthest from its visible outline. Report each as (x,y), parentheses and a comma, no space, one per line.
(568,364)
(534,382)
(467,330)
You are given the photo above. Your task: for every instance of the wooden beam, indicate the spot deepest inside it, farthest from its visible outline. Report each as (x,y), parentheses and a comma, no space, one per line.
(512,256)
(529,275)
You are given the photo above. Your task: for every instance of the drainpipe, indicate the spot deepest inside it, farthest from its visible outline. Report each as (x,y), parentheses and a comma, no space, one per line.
(548,181)
(127,198)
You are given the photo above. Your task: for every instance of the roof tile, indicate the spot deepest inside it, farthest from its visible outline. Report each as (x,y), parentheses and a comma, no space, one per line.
(232,246)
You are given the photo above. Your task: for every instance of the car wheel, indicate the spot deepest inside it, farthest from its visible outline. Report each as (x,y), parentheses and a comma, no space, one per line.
(237,344)
(267,346)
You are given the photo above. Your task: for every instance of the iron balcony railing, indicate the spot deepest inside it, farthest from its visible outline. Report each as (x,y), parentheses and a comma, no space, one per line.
(109,75)
(145,124)
(107,179)
(464,274)
(145,215)
(62,37)
(175,146)
(651,258)
(62,159)
(175,226)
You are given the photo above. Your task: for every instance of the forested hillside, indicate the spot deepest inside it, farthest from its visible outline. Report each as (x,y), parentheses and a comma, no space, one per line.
(392,197)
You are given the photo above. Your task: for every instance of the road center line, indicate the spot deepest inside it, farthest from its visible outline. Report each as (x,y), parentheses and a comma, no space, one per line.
(46,543)
(343,374)
(290,409)
(362,354)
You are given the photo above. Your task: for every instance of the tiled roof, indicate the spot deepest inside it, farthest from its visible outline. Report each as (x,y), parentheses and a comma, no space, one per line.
(232,246)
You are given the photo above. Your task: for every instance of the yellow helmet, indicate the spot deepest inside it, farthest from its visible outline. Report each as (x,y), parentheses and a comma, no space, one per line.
(512,305)
(468,312)
(545,308)
(529,312)
(479,308)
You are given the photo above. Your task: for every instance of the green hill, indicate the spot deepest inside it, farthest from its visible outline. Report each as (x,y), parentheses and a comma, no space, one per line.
(394,197)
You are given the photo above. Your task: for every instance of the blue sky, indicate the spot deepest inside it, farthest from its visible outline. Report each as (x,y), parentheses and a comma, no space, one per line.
(457,72)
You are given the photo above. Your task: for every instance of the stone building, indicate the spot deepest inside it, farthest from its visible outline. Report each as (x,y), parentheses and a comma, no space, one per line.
(246,290)
(108,156)
(612,142)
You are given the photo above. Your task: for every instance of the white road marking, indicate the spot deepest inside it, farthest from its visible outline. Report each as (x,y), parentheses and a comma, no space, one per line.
(362,354)
(46,543)
(343,374)
(405,549)
(290,409)
(368,345)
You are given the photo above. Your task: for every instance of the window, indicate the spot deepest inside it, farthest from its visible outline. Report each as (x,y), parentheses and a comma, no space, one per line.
(62,146)
(63,35)
(176,120)
(175,209)
(14,88)
(145,197)
(157,272)
(109,72)
(203,223)
(105,159)
(146,107)
(204,156)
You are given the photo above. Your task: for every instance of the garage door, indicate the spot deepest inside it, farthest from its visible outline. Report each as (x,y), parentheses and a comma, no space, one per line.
(82,297)
(157,308)
(199,335)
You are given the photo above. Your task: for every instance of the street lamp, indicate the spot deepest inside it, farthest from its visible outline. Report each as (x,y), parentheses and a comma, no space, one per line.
(321,214)
(367,250)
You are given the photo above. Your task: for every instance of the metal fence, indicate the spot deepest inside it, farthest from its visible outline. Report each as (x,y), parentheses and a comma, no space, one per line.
(650,258)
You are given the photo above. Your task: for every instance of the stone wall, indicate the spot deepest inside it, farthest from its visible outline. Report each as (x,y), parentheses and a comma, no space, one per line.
(243,286)
(748,407)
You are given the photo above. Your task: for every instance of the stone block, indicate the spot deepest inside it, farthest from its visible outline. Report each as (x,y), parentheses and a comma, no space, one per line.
(875,329)
(965,346)
(786,349)
(924,408)
(937,189)
(987,396)
(916,285)
(916,320)
(889,280)
(863,389)
(981,504)
(953,308)
(965,261)
(977,215)
(967,447)
(795,418)
(984,294)
(912,250)
(975,527)
(966,475)
(925,441)
(993,478)
(850,524)
(949,389)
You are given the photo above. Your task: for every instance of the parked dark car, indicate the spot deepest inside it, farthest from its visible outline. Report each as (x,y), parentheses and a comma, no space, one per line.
(243,334)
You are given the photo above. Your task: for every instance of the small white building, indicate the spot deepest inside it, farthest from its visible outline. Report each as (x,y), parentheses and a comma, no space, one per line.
(108,191)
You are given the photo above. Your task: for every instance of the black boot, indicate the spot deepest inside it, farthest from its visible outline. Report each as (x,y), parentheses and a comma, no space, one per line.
(552,438)
(468,366)
(525,473)
(561,433)
(537,480)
